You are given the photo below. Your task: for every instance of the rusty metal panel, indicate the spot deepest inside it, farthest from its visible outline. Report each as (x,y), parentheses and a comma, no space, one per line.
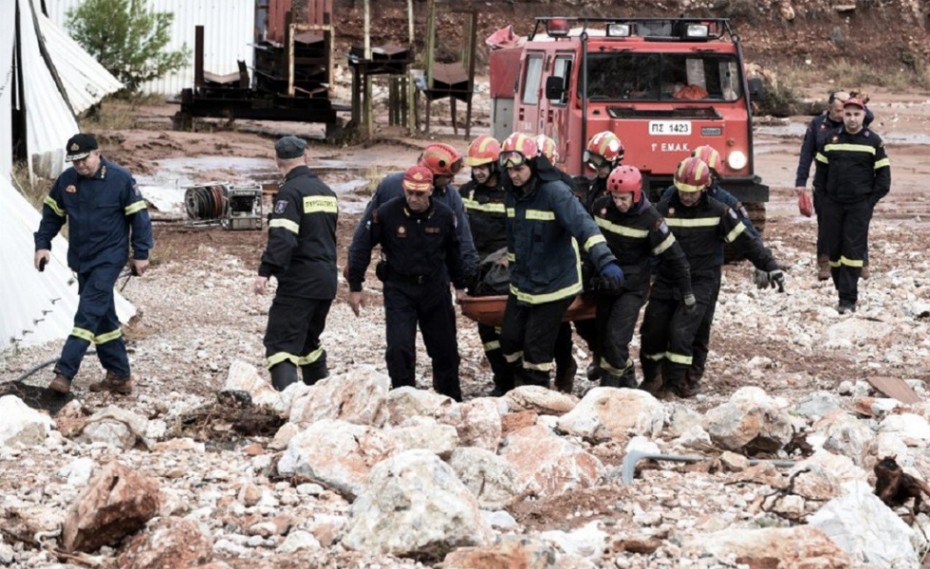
(312,12)
(229,31)
(504,70)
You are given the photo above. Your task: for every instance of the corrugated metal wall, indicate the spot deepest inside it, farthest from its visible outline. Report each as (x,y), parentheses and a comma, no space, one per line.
(229,31)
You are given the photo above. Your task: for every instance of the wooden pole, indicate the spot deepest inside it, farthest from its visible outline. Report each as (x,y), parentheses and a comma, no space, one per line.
(369,118)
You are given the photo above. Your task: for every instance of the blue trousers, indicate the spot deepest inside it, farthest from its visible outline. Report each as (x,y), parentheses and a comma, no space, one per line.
(96,321)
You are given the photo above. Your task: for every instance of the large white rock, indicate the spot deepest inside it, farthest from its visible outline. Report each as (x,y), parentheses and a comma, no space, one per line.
(547,464)
(116,427)
(21,424)
(607,413)
(750,420)
(415,505)
(336,453)
(490,478)
(245,377)
(478,422)
(406,402)
(539,399)
(852,332)
(843,434)
(867,529)
(781,547)
(355,396)
(424,433)
(840,468)
(907,426)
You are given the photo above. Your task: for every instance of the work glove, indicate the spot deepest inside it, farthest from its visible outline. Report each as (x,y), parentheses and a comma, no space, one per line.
(761,279)
(689,302)
(777,279)
(805,204)
(612,275)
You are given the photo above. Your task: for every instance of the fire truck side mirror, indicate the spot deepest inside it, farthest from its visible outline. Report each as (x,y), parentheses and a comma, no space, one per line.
(555,88)
(756,89)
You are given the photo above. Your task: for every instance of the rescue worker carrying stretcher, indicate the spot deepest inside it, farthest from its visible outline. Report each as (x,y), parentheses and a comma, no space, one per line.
(420,246)
(702,226)
(853,174)
(543,217)
(637,235)
(483,197)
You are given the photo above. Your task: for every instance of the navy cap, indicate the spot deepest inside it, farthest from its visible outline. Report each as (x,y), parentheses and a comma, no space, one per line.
(79,146)
(289,147)
(854,102)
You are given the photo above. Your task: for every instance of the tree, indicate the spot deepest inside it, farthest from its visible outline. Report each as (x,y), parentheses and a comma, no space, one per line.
(127,39)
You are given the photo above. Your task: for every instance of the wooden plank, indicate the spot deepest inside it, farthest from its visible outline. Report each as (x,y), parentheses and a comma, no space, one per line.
(896,388)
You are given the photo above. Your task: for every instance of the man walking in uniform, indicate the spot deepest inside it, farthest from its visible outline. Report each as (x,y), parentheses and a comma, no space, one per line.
(420,246)
(105,213)
(853,174)
(301,255)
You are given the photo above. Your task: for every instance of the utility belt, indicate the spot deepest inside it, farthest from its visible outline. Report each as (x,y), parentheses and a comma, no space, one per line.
(385,273)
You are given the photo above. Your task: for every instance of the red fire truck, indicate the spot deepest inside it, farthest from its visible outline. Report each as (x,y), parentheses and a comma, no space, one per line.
(664,86)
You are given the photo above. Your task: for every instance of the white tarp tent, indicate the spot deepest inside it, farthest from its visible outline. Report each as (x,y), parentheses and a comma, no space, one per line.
(36,307)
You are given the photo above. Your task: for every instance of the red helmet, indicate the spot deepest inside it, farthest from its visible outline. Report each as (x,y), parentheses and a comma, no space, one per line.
(517,149)
(441,159)
(709,155)
(483,150)
(607,146)
(547,148)
(692,175)
(626,180)
(418,178)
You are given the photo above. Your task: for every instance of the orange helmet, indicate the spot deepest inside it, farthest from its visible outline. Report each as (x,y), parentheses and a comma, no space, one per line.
(483,150)
(692,175)
(517,149)
(626,180)
(709,155)
(604,147)
(441,159)
(547,148)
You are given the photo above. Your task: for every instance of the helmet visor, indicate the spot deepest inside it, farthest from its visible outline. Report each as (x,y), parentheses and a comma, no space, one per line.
(595,160)
(512,159)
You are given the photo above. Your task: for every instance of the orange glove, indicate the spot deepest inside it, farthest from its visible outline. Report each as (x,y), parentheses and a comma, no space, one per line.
(805,205)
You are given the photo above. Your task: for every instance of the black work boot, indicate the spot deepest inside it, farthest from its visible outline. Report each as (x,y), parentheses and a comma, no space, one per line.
(609,380)
(282,375)
(316,371)
(628,379)
(565,376)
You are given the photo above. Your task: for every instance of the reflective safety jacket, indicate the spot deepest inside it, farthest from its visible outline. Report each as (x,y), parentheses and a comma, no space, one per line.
(487,216)
(636,238)
(420,248)
(702,230)
(301,250)
(101,211)
(716,191)
(392,187)
(814,138)
(545,224)
(853,167)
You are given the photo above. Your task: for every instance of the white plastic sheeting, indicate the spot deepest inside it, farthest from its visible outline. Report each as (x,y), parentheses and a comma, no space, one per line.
(229,32)
(86,82)
(7,31)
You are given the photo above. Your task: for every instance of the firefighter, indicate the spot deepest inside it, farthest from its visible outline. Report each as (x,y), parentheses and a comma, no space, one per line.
(483,198)
(543,217)
(853,174)
(444,162)
(636,234)
(301,255)
(565,365)
(702,226)
(419,243)
(603,153)
(105,213)
(817,131)
(701,346)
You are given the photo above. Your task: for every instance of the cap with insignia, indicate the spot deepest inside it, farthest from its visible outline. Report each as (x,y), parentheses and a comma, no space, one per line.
(418,178)
(80,146)
(854,102)
(289,147)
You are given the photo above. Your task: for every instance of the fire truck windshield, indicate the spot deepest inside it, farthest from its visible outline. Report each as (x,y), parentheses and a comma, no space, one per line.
(663,76)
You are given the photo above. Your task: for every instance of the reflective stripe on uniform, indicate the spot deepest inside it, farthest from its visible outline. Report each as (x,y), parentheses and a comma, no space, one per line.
(104,338)
(882,163)
(692,222)
(320,204)
(546,297)
(490,207)
(679,358)
(134,207)
(594,240)
(621,229)
(83,334)
(511,212)
(511,358)
(279,357)
(848,262)
(511,257)
(849,148)
(663,246)
(734,233)
(615,371)
(311,357)
(655,357)
(50,202)
(285,224)
(539,215)
(821,158)
(537,367)
(492,345)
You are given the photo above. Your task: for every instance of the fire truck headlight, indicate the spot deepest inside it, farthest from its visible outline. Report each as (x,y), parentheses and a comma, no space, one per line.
(736,160)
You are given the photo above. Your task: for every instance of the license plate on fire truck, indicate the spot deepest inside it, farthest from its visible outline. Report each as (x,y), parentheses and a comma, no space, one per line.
(670,128)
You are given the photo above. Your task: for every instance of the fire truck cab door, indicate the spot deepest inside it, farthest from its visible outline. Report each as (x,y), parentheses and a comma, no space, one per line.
(555,110)
(527,110)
